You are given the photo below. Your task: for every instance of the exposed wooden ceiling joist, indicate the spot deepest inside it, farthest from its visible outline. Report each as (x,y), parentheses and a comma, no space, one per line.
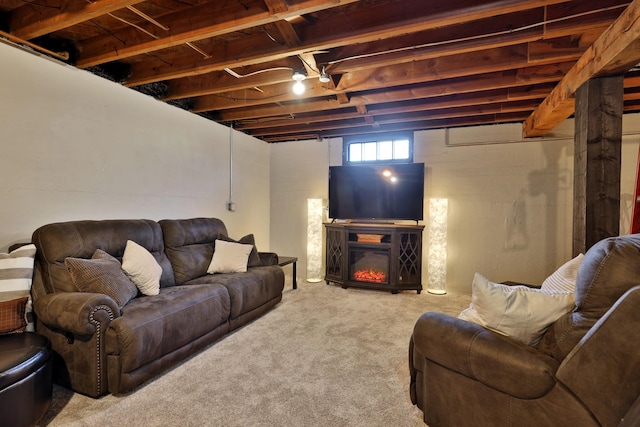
(363,25)
(29,22)
(192,25)
(392,64)
(615,52)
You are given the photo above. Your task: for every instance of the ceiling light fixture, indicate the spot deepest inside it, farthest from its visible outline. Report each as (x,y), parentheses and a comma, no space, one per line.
(324,76)
(298,87)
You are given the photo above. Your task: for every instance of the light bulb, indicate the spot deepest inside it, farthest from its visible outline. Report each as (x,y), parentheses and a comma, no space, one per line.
(298,88)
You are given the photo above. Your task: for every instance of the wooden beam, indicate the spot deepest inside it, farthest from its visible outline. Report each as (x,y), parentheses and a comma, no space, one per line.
(616,51)
(28,22)
(473,63)
(383,78)
(377,61)
(197,24)
(597,162)
(528,79)
(337,121)
(395,115)
(276,6)
(392,127)
(288,33)
(222,81)
(367,25)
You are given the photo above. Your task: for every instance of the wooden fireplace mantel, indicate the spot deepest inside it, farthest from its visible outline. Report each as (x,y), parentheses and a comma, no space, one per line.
(351,244)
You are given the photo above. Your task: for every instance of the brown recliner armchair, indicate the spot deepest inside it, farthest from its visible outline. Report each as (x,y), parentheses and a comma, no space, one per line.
(584,372)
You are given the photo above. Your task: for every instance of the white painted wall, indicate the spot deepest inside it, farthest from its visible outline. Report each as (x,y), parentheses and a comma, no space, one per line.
(510,202)
(76,146)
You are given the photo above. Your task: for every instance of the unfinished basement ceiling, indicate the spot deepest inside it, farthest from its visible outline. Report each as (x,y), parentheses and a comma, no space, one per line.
(390,64)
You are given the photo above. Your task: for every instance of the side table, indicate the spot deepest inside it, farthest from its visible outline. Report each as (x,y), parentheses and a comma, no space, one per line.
(286,260)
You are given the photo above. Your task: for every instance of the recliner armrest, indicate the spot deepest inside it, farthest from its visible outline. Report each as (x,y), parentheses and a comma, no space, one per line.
(76,312)
(603,370)
(495,360)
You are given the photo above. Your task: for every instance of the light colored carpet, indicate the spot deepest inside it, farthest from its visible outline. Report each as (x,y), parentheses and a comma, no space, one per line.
(325,356)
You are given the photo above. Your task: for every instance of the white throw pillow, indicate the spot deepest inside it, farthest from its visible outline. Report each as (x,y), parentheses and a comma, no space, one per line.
(16,272)
(229,257)
(142,268)
(564,278)
(520,312)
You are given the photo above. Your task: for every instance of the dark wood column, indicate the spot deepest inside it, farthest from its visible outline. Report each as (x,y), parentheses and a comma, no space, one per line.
(597,164)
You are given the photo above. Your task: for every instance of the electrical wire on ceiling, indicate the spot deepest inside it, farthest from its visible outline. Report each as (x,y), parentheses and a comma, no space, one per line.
(241,76)
(150,34)
(137,27)
(273,39)
(337,61)
(311,67)
(131,24)
(432,44)
(481,36)
(18,42)
(234,98)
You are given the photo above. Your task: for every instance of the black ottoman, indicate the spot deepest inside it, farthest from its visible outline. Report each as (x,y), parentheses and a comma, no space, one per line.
(25,378)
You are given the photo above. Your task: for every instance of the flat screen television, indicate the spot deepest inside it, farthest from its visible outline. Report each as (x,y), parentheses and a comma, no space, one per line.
(377,192)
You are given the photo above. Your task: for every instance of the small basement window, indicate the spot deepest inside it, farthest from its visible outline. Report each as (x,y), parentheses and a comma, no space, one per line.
(378,148)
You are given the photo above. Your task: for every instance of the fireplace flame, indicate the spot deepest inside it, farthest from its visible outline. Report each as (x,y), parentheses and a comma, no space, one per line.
(371,275)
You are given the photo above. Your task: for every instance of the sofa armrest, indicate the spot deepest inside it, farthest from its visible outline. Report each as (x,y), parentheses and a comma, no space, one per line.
(268,258)
(485,356)
(79,313)
(603,370)
(76,323)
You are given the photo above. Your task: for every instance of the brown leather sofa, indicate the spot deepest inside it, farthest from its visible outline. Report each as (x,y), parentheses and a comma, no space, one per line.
(584,372)
(100,348)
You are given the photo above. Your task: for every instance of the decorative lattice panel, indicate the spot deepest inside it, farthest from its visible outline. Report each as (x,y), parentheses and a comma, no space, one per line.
(334,253)
(409,258)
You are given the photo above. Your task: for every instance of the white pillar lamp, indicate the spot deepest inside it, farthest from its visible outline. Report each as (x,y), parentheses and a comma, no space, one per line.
(437,259)
(314,240)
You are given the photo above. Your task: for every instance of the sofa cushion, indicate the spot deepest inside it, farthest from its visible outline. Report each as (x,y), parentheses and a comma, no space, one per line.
(154,326)
(229,257)
(248,290)
(189,245)
(142,268)
(102,274)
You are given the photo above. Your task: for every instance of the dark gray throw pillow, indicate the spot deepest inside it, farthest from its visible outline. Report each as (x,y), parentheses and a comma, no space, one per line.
(102,274)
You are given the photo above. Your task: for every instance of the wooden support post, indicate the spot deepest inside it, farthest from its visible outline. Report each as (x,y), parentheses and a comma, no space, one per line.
(635,212)
(597,161)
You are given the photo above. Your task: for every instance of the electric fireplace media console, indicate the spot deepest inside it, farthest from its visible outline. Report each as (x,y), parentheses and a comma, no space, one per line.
(374,256)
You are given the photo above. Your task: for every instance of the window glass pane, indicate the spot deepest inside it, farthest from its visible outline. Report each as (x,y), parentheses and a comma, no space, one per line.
(386,150)
(355,152)
(401,149)
(370,151)
(391,147)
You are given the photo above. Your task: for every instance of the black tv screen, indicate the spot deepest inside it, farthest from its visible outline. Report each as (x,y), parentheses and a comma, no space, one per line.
(391,192)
